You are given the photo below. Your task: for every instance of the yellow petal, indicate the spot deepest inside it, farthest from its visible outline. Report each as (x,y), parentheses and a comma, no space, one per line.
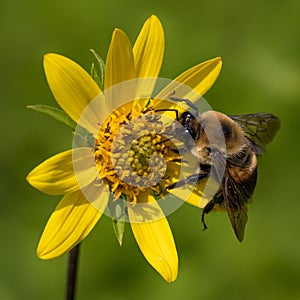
(197,194)
(54,176)
(196,198)
(193,83)
(119,69)
(84,166)
(201,77)
(148,53)
(154,238)
(119,61)
(149,48)
(72,87)
(70,223)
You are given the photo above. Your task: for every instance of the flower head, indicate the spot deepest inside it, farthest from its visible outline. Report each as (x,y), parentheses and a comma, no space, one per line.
(129,159)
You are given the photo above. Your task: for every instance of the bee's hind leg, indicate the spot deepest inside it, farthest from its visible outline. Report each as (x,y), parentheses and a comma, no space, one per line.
(207,208)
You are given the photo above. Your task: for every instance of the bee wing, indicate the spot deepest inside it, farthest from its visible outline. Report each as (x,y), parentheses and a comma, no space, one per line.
(218,165)
(238,219)
(259,128)
(236,206)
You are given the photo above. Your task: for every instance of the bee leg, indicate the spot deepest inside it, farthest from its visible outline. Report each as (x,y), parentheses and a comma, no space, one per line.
(180,150)
(169,109)
(207,208)
(187,101)
(190,179)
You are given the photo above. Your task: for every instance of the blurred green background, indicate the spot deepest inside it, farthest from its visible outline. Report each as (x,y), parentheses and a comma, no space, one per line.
(259,42)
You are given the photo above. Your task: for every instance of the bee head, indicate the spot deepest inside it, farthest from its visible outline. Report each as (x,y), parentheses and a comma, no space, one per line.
(187,120)
(186,129)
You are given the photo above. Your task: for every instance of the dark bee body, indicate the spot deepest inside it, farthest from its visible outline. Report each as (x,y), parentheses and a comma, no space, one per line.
(227,148)
(187,120)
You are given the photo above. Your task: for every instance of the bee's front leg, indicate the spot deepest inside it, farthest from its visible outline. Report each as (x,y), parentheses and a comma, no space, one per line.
(190,179)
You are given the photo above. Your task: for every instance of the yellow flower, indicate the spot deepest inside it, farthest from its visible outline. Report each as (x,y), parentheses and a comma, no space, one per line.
(72,173)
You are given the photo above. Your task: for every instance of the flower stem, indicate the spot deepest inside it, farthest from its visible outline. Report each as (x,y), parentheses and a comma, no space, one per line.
(72,272)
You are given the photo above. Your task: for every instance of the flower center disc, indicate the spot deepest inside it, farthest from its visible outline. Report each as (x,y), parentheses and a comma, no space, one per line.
(145,165)
(130,153)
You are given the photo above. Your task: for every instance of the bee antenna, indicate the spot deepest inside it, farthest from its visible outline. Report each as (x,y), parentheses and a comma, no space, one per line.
(187,101)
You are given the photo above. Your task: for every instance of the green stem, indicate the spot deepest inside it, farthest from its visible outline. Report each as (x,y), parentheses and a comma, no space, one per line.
(72,272)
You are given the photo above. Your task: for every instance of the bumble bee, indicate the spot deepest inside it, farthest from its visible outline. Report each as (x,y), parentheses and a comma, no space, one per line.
(227,148)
